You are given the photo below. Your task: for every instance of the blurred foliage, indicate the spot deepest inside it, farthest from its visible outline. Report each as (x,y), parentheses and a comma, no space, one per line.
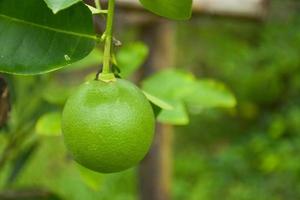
(249,152)
(181,89)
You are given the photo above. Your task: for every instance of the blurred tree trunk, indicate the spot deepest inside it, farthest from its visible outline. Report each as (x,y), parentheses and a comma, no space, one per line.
(156,170)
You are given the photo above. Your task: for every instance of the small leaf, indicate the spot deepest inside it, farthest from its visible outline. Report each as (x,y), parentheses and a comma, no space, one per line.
(49,124)
(182,89)
(177,116)
(208,94)
(169,84)
(159,102)
(57,5)
(173,9)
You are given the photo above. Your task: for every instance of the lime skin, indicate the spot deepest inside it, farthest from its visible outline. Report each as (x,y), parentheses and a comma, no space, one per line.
(108,126)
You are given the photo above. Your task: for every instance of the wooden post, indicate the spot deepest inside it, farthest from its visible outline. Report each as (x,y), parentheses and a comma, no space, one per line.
(155,171)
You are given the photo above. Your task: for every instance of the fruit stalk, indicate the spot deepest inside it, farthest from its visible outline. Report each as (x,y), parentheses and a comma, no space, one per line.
(108,38)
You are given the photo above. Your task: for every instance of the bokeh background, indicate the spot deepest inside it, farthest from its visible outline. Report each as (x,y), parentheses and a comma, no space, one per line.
(250,151)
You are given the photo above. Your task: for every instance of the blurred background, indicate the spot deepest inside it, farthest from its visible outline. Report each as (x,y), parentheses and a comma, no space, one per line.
(242,143)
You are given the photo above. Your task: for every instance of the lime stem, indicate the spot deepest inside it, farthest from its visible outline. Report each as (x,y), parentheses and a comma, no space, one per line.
(108,37)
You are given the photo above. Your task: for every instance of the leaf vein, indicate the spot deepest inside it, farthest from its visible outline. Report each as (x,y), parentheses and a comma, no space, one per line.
(47,28)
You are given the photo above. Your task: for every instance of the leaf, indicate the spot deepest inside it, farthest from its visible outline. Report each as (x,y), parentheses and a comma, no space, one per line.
(157,104)
(209,94)
(131,57)
(177,116)
(169,84)
(173,9)
(57,5)
(34,41)
(182,89)
(157,101)
(49,124)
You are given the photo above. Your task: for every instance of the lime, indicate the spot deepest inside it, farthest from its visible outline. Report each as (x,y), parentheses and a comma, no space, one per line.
(108,126)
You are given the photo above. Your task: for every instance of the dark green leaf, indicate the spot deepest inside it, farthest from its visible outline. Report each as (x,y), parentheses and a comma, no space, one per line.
(33,40)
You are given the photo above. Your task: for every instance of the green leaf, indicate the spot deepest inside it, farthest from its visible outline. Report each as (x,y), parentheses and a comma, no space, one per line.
(182,89)
(177,116)
(158,102)
(131,57)
(169,84)
(173,9)
(34,40)
(57,5)
(49,124)
(208,94)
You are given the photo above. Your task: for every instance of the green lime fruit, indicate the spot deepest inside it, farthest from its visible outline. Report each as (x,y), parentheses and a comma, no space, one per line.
(108,126)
